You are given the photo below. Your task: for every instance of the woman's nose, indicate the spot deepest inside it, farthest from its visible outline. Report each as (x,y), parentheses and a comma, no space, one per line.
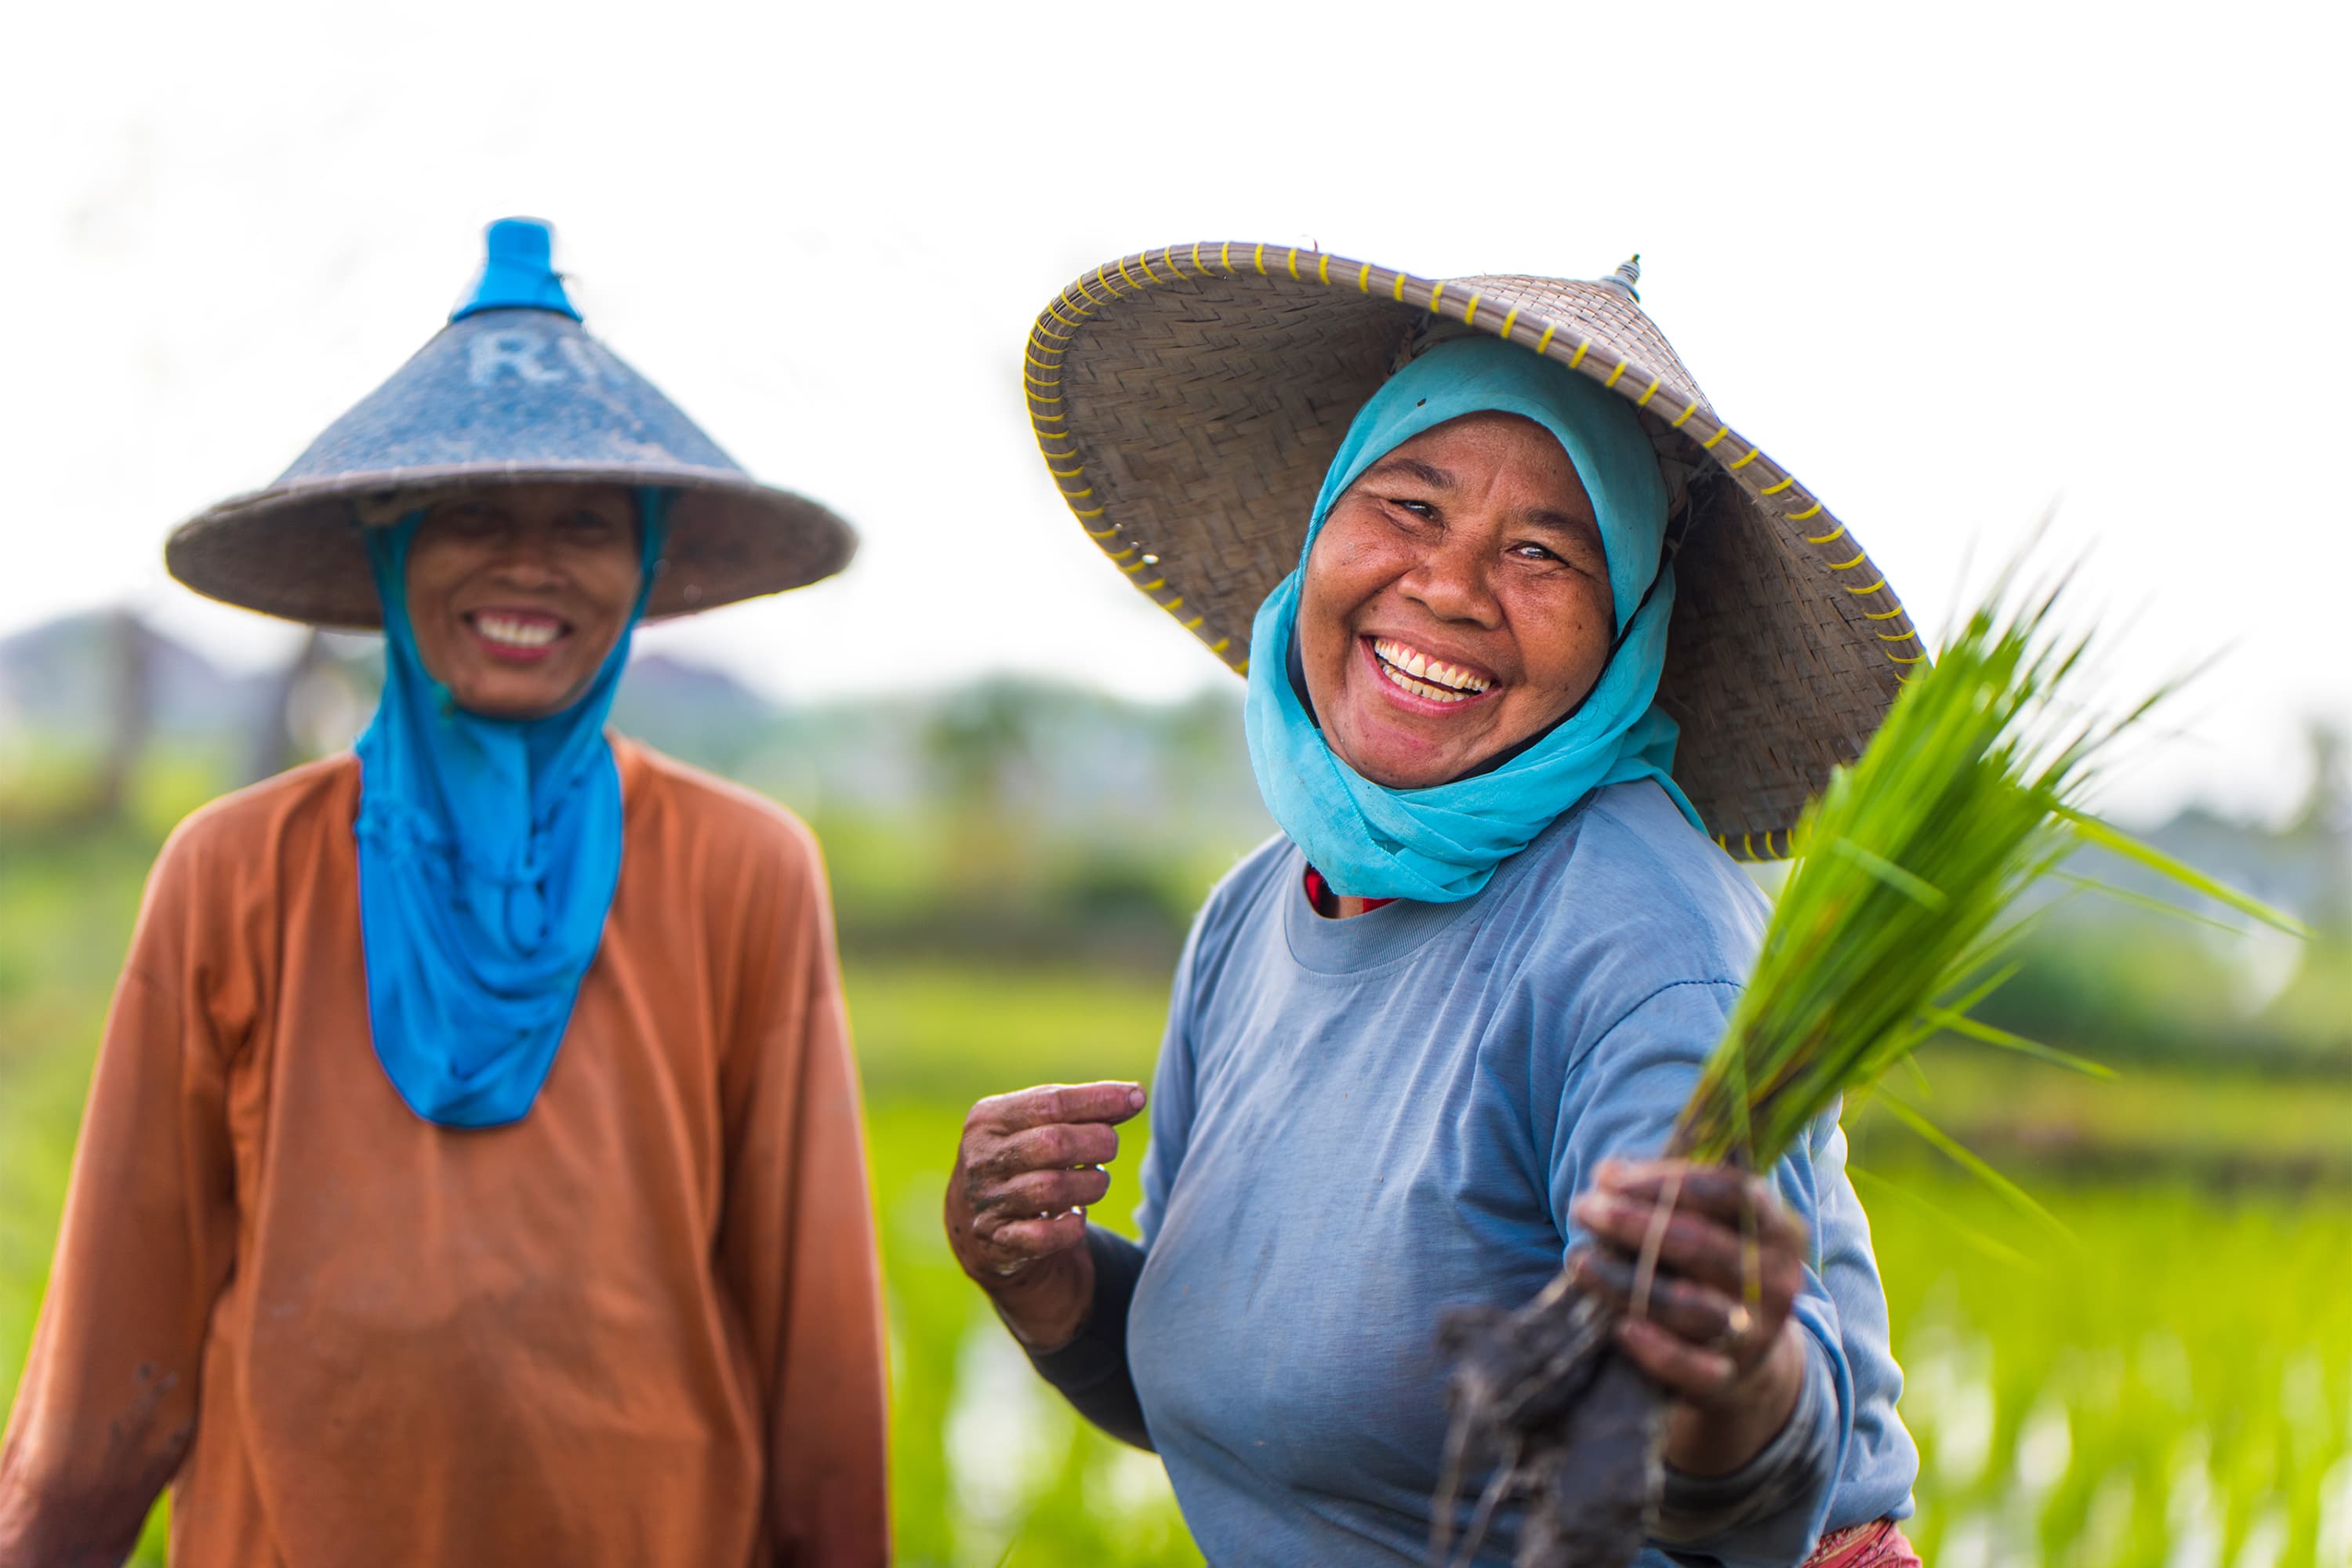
(527,562)
(1451,584)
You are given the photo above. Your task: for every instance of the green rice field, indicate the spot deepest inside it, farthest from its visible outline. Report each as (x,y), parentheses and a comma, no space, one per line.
(2167,1381)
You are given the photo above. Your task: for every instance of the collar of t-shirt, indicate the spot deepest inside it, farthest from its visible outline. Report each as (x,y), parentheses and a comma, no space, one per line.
(1325,902)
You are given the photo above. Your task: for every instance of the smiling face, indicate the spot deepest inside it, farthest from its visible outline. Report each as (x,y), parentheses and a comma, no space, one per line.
(517,593)
(1456,603)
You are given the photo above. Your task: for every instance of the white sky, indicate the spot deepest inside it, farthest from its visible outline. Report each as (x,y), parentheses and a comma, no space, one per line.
(1950,263)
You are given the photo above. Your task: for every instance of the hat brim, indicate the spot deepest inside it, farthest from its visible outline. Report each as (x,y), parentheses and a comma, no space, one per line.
(295,549)
(1189,400)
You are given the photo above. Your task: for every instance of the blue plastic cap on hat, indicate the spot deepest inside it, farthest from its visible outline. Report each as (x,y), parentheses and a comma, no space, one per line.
(518,272)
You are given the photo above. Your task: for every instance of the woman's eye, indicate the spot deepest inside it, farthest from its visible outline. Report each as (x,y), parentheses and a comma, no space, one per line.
(587,522)
(1421,509)
(1533,552)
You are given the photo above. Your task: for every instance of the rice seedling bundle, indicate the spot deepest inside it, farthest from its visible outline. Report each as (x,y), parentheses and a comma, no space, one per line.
(1895,921)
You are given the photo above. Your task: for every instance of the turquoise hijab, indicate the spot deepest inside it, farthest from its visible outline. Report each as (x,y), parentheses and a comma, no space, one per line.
(489,852)
(1441,843)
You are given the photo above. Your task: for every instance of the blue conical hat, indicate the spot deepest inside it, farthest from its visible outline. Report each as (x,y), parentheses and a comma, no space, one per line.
(513,389)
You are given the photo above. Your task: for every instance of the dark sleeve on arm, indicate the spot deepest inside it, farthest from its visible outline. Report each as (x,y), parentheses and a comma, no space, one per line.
(1780,1484)
(1091,1370)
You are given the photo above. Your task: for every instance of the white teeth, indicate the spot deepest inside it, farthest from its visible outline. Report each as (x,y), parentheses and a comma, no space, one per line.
(1425,676)
(514,633)
(1423,687)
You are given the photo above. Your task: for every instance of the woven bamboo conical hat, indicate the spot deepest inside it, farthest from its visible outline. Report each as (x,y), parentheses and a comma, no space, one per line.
(513,389)
(1189,400)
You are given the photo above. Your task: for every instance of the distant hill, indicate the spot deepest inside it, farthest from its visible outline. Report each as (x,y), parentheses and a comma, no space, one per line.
(1076,762)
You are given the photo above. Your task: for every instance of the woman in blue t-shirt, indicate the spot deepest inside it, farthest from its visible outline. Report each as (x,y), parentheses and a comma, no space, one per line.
(1552,639)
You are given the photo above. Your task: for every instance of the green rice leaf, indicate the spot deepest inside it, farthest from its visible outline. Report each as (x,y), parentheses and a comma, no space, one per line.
(2092,830)
(1888,872)
(1998,1251)
(2141,900)
(1959,1022)
(1970,1161)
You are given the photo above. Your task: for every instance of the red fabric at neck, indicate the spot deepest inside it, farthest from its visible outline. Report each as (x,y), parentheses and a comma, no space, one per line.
(1324,901)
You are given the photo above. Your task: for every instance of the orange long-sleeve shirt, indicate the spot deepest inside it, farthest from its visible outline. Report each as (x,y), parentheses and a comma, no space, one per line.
(641,1326)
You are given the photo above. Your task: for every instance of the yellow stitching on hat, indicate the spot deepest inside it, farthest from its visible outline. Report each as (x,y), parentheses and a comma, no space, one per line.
(1194,624)
(1912,659)
(1860,556)
(1122,554)
(1649,392)
(1719,839)
(1618,371)
(1059,474)
(1142,259)
(1578,357)
(1261,260)
(1874,588)
(1897,636)
(1081,287)
(1747,846)
(1400,288)
(1155,582)
(1878,614)
(1720,432)
(1242,668)
(1510,320)
(1123,272)
(1828,537)
(1294,263)
(1775,490)
(1168,260)
(1041,364)
(1686,413)
(1544,342)
(1105,283)
(1323,268)
(1095,512)
(1752,454)
(1173,605)
(1806,515)
(1078,495)
(1225,255)
(1034,417)
(1364,278)
(1470,310)
(1221,644)
(1042,330)
(1196,259)
(1104,533)
(1435,295)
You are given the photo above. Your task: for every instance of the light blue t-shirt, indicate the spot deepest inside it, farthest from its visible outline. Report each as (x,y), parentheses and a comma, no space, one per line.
(1358,1123)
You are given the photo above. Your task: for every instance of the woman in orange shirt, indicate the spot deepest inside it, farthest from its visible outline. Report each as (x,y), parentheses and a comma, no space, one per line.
(472,1172)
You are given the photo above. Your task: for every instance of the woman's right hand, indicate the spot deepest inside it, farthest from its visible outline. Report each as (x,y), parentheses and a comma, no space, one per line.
(1029,1164)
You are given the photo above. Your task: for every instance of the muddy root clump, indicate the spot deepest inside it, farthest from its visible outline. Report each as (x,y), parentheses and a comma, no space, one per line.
(1573,1429)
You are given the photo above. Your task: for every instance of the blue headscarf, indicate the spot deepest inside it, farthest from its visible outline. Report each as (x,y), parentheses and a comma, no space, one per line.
(489,851)
(1441,843)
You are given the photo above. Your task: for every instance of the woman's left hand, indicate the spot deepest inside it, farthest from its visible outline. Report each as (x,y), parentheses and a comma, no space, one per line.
(1714,1327)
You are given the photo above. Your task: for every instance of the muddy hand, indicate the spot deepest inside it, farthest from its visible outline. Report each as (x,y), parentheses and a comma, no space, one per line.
(1729,1261)
(1029,1164)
